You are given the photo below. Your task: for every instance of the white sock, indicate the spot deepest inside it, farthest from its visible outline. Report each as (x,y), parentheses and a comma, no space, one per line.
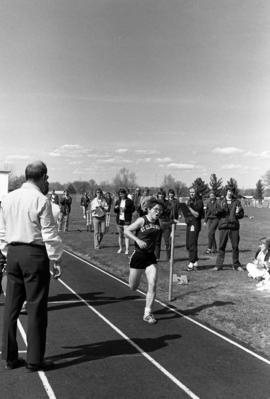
(147,311)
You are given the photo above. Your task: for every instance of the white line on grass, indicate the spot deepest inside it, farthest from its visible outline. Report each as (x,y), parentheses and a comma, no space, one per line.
(137,347)
(250,352)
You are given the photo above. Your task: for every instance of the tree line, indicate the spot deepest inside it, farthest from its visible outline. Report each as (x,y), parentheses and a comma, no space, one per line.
(127,179)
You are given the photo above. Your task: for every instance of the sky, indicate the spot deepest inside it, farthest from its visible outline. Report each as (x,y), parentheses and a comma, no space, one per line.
(159,87)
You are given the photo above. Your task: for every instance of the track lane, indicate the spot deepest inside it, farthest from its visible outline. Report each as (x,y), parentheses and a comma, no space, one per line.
(93,361)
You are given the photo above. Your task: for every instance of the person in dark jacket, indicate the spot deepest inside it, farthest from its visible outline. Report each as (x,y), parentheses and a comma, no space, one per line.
(165,226)
(124,208)
(167,218)
(195,205)
(85,201)
(229,212)
(211,220)
(137,200)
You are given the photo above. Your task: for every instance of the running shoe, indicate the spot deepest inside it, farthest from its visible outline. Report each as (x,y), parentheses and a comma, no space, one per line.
(150,319)
(190,267)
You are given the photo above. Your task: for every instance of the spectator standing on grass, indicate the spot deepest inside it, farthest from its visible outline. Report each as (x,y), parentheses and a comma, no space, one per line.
(165,226)
(229,212)
(124,208)
(29,240)
(143,202)
(195,205)
(89,218)
(137,200)
(65,209)
(85,201)
(144,232)
(174,205)
(99,208)
(55,209)
(260,266)
(109,200)
(169,216)
(211,220)
(54,197)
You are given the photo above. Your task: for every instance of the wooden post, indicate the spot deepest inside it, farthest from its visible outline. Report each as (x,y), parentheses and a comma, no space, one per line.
(171,263)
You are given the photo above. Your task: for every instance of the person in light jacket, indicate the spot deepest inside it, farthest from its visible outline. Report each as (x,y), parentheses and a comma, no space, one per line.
(99,208)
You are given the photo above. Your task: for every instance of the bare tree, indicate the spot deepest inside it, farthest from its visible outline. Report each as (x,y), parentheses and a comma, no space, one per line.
(124,178)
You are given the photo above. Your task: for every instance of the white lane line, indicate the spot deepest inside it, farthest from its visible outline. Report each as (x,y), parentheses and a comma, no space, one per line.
(229,340)
(42,375)
(137,347)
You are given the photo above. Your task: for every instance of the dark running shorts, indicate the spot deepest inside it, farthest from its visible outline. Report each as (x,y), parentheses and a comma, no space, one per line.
(140,260)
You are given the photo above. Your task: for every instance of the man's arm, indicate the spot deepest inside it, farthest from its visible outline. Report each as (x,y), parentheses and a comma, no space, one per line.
(50,236)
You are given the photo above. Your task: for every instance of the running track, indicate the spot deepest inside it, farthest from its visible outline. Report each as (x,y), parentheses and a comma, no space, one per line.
(103,349)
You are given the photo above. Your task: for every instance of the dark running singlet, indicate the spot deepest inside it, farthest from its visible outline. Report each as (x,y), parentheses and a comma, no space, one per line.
(148,233)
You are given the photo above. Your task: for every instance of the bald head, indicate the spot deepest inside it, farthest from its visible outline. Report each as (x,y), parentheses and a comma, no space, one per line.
(37,173)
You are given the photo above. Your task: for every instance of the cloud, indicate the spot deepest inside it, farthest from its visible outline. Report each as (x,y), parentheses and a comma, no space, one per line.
(166,159)
(108,160)
(227,150)
(147,152)
(262,155)
(184,166)
(232,166)
(18,157)
(121,150)
(69,151)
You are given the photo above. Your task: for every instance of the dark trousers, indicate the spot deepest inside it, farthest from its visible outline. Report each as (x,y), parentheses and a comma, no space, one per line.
(192,235)
(212,227)
(234,237)
(28,278)
(165,232)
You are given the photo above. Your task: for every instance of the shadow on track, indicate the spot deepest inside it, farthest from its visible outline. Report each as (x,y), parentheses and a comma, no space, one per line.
(92,298)
(100,350)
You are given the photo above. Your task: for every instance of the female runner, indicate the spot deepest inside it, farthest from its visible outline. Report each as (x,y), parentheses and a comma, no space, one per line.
(145,231)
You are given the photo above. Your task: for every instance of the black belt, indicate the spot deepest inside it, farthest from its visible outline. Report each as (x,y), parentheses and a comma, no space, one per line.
(31,244)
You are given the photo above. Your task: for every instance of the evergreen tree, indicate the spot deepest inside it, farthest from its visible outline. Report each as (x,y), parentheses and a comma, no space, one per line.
(215,185)
(200,187)
(259,191)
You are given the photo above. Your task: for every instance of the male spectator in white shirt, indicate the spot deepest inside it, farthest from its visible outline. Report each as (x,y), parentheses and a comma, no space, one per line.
(29,239)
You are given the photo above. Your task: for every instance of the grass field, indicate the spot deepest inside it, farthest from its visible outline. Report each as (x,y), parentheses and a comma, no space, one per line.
(228,301)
